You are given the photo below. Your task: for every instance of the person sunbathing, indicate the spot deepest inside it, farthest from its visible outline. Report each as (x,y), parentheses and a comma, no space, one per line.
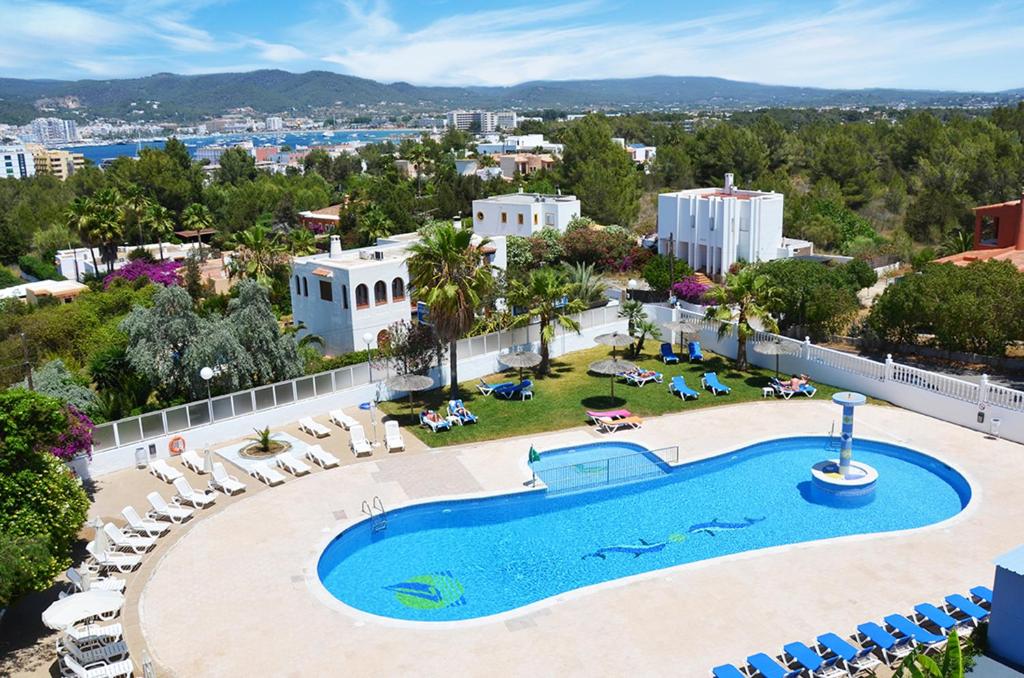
(432,416)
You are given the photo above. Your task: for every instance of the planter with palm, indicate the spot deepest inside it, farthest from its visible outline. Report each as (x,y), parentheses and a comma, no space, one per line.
(545,295)
(263,445)
(746,296)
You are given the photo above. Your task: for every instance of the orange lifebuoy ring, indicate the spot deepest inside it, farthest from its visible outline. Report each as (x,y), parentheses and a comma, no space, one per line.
(176,446)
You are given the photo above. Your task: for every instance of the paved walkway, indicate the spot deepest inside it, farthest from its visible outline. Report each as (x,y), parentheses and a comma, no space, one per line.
(236,595)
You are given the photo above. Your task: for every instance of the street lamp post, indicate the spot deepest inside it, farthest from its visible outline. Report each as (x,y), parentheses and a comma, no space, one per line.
(207,374)
(368,338)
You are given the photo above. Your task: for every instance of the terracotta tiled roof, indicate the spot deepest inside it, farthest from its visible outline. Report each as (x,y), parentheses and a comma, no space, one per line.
(1014,256)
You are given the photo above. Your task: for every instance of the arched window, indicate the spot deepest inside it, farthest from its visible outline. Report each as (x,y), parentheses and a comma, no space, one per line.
(305,287)
(298,290)
(344,296)
(380,293)
(397,289)
(362,296)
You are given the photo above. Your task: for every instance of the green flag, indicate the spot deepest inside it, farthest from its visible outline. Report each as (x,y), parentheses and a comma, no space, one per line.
(534,455)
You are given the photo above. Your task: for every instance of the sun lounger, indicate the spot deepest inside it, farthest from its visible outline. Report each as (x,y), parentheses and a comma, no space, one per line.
(967,606)
(105,561)
(983,595)
(769,668)
(90,636)
(612,425)
(341,419)
(96,654)
(292,464)
(942,620)
(143,526)
(813,662)
(165,511)
(893,649)
(457,409)
(710,381)
(98,583)
(522,389)
(313,428)
(488,389)
(678,387)
(668,356)
(393,439)
(781,389)
(856,660)
(73,669)
(808,390)
(221,480)
(191,496)
(164,471)
(436,424)
(321,457)
(608,414)
(192,460)
(123,542)
(911,630)
(641,377)
(263,472)
(358,443)
(693,348)
(727,671)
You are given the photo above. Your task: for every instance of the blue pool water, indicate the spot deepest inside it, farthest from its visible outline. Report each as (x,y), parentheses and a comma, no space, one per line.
(456,560)
(594,464)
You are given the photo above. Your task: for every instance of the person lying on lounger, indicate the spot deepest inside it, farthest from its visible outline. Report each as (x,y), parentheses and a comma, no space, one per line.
(797,381)
(432,416)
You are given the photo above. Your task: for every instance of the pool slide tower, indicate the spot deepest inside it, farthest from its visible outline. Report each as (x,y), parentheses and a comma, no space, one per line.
(843,481)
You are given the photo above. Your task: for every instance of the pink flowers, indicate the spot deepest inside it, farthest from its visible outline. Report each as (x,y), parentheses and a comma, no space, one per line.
(690,290)
(159,272)
(77,438)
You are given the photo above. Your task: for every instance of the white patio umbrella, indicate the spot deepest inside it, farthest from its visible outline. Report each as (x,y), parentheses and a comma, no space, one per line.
(776,347)
(101,541)
(208,460)
(78,607)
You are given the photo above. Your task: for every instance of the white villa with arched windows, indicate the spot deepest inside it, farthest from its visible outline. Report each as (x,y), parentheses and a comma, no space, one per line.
(343,295)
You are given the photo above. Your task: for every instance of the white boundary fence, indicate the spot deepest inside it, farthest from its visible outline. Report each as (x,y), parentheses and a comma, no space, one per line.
(208,422)
(972,404)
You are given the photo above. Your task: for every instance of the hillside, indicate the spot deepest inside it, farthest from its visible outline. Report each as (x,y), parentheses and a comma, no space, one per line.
(188,97)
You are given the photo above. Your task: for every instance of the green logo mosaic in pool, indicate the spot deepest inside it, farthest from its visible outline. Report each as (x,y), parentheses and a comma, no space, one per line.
(429,591)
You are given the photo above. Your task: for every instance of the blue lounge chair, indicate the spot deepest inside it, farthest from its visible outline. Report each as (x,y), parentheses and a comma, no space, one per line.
(522,389)
(667,355)
(694,348)
(769,668)
(678,387)
(856,660)
(808,390)
(710,382)
(892,648)
(727,671)
(488,389)
(912,630)
(968,607)
(940,618)
(457,409)
(812,661)
(983,594)
(435,426)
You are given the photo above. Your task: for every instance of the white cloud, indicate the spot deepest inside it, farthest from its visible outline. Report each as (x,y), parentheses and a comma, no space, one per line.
(277,52)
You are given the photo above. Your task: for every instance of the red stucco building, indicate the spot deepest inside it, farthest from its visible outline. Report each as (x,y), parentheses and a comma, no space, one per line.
(998,234)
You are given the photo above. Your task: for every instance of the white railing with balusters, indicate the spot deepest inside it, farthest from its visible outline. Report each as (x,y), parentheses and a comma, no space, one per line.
(937,383)
(1005,397)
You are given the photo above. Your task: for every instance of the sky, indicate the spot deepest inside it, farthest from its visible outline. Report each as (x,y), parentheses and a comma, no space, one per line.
(925,44)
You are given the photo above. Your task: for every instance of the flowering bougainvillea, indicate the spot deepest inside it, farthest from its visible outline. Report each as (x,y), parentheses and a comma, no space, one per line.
(160,272)
(689,289)
(78,436)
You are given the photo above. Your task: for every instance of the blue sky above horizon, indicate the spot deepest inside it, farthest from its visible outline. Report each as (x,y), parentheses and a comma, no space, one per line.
(941,44)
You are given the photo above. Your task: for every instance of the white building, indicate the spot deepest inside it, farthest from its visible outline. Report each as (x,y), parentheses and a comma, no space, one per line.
(77,263)
(523,214)
(54,130)
(641,154)
(475,121)
(713,228)
(16,162)
(519,143)
(274,124)
(505,119)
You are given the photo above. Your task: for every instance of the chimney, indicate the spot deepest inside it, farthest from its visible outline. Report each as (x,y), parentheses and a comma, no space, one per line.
(335,247)
(520,189)
(728,182)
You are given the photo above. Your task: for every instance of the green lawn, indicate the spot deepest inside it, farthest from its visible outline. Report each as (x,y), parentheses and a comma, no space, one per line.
(561,398)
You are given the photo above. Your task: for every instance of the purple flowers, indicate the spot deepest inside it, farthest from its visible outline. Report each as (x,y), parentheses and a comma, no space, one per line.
(159,272)
(78,436)
(690,290)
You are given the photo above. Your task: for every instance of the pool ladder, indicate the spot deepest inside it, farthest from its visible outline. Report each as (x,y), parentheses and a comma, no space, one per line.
(832,445)
(378,516)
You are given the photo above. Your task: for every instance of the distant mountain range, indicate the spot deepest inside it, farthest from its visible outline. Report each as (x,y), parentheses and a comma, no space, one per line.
(190,97)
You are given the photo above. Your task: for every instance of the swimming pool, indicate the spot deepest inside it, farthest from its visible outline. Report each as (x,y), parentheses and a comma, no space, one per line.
(596,464)
(455,560)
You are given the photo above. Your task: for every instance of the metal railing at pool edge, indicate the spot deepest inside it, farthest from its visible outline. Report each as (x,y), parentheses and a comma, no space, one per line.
(614,470)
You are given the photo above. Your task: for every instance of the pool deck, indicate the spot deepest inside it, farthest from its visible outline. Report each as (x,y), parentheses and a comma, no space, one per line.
(235,592)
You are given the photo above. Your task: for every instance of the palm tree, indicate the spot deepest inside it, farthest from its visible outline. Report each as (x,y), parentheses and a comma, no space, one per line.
(79,218)
(258,254)
(950,664)
(301,242)
(160,223)
(639,325)
(134,206)
(106,225)
(545,294)
(372,224)
(452,276)
(586,284)
(747,296)
(957,242)
(197,217)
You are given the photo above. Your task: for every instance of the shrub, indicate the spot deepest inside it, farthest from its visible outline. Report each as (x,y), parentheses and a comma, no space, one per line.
(637,259)
(690,290)
(604,248)
(162,273)
(860,273)
(39,269)
(8,279)
(656,273)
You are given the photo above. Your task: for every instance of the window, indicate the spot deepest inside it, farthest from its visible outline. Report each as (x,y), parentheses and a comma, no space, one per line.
(362,296)
(326,293)
(344,296)
(479,216)
(504,217)
(298,289)
(397,289)
(549,219)
(990,230)
(519,219)
(536,219)
(305,287)
(380,293)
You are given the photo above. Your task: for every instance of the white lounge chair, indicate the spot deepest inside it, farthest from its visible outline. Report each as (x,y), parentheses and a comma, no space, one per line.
(263,472)
(192,496)
(319,455)
(393,439)
(123,542)
(313,428)
(106,561)
(341,419)
(164,471)
(73,669)
(107,653)
(358,442)
(90,636)
(164,511)
(143,526)
(192,460)
(97,583)
(221,480)
(295,466)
